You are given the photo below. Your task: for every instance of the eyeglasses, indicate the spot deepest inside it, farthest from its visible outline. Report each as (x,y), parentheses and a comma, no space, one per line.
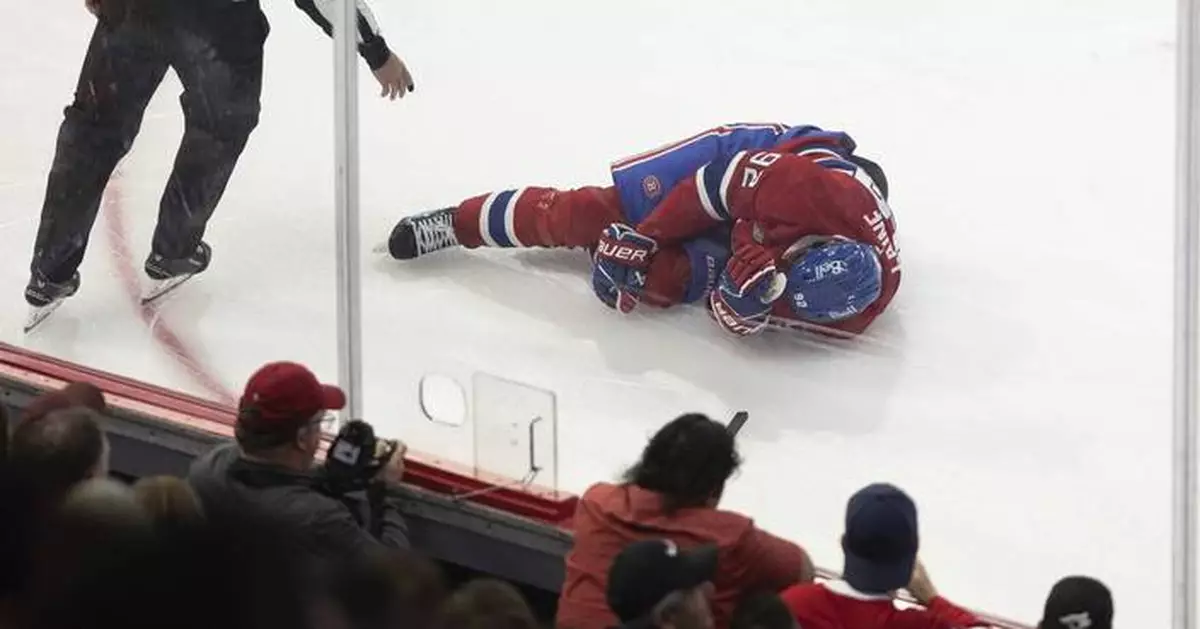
(325,420)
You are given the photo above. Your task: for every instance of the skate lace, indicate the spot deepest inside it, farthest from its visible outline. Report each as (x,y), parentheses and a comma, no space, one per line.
(434,233)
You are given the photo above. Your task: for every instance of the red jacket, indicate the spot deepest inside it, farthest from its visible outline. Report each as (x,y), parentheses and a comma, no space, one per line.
(836,605)
(610,517)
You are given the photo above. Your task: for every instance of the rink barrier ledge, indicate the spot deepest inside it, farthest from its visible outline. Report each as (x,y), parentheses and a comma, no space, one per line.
(423,470)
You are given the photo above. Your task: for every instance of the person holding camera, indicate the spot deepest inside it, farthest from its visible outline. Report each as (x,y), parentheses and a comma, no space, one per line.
(340,509)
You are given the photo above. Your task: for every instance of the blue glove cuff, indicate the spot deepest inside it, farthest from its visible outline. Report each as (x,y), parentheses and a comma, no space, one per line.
(708,258)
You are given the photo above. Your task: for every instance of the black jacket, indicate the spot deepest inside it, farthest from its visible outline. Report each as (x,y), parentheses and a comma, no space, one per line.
(238,27)
(329,529)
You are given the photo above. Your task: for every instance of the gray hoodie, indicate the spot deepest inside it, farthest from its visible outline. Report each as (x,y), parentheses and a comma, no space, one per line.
(327,528)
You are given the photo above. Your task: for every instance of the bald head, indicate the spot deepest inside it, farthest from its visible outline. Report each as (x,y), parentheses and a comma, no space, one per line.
(60,449)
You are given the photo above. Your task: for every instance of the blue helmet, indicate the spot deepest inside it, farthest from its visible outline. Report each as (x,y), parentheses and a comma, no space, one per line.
(834,281)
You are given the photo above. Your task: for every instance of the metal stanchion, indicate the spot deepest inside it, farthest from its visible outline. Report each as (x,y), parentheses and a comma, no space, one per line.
(349,276)
(1187,318)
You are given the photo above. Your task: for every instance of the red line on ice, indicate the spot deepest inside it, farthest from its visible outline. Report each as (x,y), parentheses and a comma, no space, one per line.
(123,260)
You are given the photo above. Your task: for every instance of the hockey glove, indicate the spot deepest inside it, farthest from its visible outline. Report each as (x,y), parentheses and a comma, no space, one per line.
(741,302)
(619,266)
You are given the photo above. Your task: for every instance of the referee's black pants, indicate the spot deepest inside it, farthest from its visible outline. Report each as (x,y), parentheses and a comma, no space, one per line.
(218,59)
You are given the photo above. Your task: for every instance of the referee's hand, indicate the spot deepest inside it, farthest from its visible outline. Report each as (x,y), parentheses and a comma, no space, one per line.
(393,77)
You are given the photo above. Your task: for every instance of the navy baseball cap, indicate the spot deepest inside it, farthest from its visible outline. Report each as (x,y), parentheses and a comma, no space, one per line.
(645,572)
(1078,603)
(880,542)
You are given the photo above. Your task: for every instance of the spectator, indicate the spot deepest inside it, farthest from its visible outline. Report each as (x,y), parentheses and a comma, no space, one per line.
(1078,603)
(763,611)
(95,514)
(51,450)
(270,467)
(880,546)
(397,588)
(652,583)
(673,493)
(168,501)
(74,394)
(102,563)
(486,604)
(4,431)
(96,531)
(14,532)
(51,454)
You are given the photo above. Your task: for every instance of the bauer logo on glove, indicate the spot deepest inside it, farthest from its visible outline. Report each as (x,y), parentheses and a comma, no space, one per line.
(743,308)
(749,286)
(619,266)
(616,251)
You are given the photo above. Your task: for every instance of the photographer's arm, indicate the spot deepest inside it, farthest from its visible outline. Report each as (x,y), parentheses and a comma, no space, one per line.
(394,532)
(339,527)
(384,516)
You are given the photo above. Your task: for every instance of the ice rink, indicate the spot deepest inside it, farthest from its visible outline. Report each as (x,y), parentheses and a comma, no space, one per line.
(1019,388)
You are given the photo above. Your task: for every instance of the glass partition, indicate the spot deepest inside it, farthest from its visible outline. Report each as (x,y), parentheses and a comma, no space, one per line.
(264,296)
(1018,386)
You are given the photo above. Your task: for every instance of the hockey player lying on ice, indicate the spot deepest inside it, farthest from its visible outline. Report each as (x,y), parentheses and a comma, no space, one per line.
(771,225)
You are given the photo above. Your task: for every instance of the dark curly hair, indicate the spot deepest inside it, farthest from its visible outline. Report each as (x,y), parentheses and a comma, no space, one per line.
(687,461)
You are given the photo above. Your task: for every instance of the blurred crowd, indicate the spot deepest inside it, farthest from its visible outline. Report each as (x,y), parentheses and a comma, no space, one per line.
(259,535)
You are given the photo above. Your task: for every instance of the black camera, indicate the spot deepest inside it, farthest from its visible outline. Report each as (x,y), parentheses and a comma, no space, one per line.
(355,457)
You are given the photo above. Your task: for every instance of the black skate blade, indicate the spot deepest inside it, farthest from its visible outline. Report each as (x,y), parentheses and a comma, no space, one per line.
(162,288)
(38,314)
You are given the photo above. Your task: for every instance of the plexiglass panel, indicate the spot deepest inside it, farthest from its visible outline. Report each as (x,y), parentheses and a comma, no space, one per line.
(516,432)
(267,294)
(1018,386)
(1027,353)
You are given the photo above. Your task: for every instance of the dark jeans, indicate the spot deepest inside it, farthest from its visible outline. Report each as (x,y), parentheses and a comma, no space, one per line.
(125,62)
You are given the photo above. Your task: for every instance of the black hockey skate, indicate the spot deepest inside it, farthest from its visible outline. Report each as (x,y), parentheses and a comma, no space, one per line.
(422,234)
(171,274)
(44,297)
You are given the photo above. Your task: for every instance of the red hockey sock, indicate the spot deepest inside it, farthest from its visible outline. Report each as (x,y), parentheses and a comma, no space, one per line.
(537,217)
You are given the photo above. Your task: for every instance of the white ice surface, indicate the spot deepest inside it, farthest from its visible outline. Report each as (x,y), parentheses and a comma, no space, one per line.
(1019,388)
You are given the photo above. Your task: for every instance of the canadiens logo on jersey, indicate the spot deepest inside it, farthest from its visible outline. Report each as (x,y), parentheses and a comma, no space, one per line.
(652,186)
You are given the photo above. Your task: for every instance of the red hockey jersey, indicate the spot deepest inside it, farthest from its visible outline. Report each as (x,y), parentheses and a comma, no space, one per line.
(835,605)
(777,199)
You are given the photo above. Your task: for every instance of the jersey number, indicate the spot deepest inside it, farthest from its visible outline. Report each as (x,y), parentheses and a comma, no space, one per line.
(757,163)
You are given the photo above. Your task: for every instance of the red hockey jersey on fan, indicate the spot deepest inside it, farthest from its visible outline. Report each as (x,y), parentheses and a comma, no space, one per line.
(836,605)
(777,199)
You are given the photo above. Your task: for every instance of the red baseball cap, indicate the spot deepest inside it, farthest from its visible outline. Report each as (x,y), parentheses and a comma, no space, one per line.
(286,390)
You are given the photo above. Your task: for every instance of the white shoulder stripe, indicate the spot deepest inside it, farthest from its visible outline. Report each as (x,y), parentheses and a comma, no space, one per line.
(727,177)
(705,200)
(820,152)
